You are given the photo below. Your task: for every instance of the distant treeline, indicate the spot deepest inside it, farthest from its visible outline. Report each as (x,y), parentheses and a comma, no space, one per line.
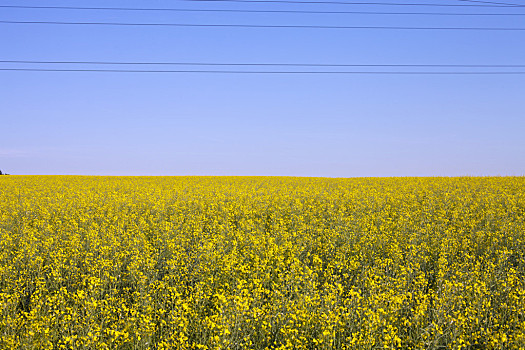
(1,173)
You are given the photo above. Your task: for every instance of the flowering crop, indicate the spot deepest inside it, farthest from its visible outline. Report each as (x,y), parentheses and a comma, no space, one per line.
(261,263)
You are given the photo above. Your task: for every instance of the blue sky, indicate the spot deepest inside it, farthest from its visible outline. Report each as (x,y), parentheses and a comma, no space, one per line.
(296,125)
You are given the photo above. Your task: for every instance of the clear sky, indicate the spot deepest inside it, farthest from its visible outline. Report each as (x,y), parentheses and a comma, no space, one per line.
(339,125)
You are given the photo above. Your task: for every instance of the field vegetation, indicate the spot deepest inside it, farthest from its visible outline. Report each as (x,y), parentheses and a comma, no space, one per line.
(262,263)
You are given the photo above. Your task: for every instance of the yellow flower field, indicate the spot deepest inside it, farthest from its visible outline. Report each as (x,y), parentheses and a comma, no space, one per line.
(262,263)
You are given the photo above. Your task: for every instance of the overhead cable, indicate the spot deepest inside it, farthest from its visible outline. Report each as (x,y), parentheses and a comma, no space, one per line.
(268,72)
(358,3)
(256,11)
(493,2)
(271,64)
(263,26)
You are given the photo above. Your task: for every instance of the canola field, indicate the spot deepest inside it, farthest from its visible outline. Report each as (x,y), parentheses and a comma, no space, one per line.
(262,263)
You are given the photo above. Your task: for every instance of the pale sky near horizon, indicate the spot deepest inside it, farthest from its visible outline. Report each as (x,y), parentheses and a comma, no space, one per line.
(92,123)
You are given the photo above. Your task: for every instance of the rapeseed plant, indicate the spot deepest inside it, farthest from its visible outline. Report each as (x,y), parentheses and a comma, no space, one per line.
(261,263)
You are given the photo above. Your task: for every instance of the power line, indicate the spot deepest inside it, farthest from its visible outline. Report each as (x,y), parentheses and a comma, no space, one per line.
(262,26)
(358,3)
(492,2)
(272,64)
(264,72)
(257,11)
